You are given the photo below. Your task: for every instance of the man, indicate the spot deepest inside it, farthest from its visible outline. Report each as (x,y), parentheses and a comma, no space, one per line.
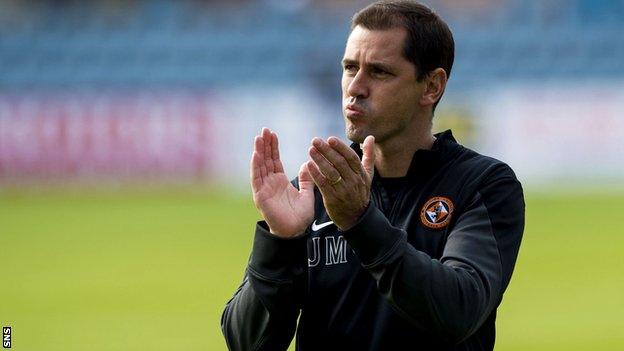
(403,241)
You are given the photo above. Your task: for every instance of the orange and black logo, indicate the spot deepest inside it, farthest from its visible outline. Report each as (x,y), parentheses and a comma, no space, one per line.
(436,213)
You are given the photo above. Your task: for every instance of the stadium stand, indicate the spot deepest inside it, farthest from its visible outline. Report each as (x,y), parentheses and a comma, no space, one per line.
(52,44)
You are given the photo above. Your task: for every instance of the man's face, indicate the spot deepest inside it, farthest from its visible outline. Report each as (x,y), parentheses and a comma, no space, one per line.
(380,93)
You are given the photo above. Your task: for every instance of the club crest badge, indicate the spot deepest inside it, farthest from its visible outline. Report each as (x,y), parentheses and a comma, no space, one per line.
(436,213)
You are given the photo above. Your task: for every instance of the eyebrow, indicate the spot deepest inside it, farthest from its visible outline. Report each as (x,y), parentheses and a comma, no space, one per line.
(375,64)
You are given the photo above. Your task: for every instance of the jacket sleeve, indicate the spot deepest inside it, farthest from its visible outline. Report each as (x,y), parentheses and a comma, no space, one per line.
(262,314)
(450,297)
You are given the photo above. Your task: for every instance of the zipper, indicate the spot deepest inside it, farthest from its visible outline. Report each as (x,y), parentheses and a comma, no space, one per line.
(377,196)
(393,210)
(382,200)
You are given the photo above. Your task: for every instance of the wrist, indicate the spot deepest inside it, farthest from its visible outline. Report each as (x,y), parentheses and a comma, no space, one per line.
(355,219)
(285,234)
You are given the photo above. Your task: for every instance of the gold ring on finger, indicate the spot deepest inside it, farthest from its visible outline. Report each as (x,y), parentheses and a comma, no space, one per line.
(336,181)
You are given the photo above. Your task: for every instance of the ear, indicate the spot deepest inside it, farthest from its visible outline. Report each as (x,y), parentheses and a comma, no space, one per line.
(435,83)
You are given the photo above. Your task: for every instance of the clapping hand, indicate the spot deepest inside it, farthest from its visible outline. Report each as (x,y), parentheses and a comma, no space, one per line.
(344,180)
(287,211)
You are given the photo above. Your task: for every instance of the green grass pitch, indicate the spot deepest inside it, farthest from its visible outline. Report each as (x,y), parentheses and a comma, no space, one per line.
(152,270)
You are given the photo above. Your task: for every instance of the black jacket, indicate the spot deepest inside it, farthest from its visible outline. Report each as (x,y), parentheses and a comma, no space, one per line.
(423,272)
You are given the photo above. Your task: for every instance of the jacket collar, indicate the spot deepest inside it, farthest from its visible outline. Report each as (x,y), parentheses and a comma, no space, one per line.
(425,162)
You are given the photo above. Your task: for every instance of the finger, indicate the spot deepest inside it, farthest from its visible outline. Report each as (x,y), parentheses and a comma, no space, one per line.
(328,170)
(259,160)
(268,160)
(348,153)
(277,163)
(256,172)
(305,179)
(336,159)
(368,155)
(317,177)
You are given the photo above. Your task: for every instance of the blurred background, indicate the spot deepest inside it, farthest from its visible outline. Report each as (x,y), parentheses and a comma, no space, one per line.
(126,129)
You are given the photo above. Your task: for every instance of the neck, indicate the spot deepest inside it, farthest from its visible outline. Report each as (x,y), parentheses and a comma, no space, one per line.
(394,155)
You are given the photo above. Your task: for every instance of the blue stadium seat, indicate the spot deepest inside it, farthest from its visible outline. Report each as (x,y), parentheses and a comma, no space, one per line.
(163,42)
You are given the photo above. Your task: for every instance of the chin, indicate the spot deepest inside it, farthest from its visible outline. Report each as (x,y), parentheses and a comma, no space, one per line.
(355,135)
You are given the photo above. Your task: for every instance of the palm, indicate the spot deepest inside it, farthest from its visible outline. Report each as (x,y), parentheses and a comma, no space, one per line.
(287,211)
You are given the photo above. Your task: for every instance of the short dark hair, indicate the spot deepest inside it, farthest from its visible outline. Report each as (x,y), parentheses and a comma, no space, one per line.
(429,43)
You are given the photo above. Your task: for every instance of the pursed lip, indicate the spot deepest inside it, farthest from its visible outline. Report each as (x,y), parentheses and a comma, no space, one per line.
(351,110)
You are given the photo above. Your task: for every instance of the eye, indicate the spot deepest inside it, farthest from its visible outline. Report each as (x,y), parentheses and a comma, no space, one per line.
(380,72)
(349,68)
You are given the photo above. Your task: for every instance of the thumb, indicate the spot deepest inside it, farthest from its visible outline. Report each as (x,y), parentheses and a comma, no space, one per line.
(368,156)
(305,179)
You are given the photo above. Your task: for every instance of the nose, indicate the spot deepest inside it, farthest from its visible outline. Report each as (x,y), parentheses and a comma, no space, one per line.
(358,86)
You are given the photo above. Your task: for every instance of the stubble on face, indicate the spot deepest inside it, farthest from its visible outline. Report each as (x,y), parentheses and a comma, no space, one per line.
(357,131)
(389,127)
(354,134)
(382,86)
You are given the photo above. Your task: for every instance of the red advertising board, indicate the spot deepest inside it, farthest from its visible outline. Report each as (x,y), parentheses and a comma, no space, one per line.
(105,136)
